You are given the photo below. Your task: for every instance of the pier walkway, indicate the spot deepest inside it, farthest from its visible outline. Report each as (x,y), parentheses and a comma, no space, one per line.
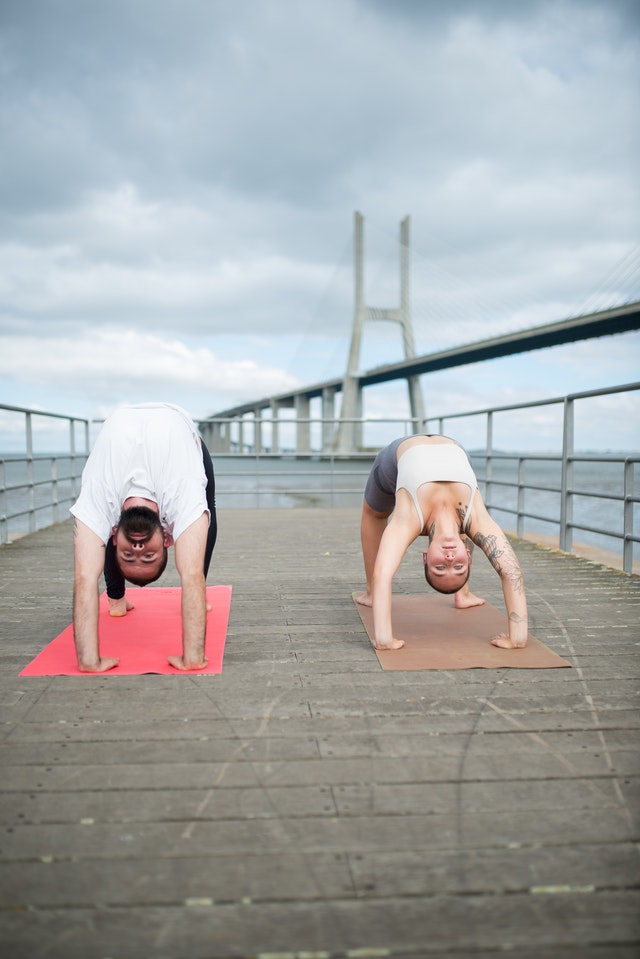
(305,804)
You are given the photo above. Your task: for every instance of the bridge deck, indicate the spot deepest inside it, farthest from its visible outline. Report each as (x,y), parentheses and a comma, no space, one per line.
(305,803)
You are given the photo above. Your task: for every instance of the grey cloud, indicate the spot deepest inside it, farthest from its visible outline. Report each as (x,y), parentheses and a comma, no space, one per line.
(192,167)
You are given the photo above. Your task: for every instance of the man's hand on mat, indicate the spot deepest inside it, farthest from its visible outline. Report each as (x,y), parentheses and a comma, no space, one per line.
(365,599)
(505,642)
(178,663)
(101,666)
(119,607)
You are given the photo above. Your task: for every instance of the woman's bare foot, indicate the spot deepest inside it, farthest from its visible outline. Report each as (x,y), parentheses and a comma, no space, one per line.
(465,600)
(365,599)
(392,644)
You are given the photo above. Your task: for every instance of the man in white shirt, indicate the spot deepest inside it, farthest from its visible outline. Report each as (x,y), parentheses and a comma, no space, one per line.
(147,484)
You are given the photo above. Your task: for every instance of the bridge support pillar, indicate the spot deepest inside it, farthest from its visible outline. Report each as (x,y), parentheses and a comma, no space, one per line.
(257,431)
(217,437)
(349,436)
(328,415)
(303,427)
(275,432)
(350,439)
(206,431)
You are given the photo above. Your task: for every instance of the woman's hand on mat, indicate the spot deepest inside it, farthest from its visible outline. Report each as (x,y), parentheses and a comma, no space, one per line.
(119,607)
(103,664)
(178,663)
(505,642)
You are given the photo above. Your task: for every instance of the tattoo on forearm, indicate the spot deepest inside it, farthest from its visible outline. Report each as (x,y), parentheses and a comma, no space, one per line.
(501,556)
(489,546)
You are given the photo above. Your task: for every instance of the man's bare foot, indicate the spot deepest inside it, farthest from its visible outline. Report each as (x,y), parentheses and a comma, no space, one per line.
(101,666)
(392,644)
(467,600)
(364,599)
(120,607)
(178,663)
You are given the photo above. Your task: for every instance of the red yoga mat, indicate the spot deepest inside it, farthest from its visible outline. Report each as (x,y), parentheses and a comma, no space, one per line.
(144,638)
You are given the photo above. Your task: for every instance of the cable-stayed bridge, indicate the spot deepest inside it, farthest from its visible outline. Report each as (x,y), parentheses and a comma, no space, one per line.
(341,429)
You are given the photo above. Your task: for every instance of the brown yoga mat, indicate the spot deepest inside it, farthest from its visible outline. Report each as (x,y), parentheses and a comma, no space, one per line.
(439,636)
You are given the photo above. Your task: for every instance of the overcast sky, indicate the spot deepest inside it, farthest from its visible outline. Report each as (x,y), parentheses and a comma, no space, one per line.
(178,182)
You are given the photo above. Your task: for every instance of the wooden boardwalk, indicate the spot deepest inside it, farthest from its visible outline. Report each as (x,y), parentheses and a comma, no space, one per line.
(305,804)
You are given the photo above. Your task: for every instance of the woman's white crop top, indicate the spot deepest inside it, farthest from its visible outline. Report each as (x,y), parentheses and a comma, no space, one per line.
(435,463)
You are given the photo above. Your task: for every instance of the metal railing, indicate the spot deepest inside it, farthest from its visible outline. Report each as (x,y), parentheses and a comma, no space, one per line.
(36,488)
(512,489)
(566,492)
(569,495)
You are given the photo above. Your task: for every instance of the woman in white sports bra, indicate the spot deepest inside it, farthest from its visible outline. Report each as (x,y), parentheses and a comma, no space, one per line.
(427,486)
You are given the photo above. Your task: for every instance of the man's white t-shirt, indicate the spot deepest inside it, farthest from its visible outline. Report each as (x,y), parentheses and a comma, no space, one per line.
(152,450)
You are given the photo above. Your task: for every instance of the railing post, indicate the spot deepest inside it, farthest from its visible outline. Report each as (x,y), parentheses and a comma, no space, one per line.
(4,522)
(488,462)
(258,474)
(521,497)
(30,486)
(627,543)
(566,484)
(55,498)
(332,479)
(72,452)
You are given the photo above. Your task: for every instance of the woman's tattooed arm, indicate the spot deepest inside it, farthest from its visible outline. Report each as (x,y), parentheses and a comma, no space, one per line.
(500,554)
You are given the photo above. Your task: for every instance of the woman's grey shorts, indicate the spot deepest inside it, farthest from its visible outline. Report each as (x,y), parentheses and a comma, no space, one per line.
(380,491)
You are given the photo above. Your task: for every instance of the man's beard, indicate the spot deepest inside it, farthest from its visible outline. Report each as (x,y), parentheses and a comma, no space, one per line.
(139,521)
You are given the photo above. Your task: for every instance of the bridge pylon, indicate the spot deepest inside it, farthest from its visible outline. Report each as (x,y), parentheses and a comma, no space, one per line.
(349,431)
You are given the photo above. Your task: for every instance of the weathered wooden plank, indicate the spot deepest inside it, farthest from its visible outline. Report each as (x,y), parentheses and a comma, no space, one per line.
(316,875)
(396,729)
(352,833)
(427,927)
